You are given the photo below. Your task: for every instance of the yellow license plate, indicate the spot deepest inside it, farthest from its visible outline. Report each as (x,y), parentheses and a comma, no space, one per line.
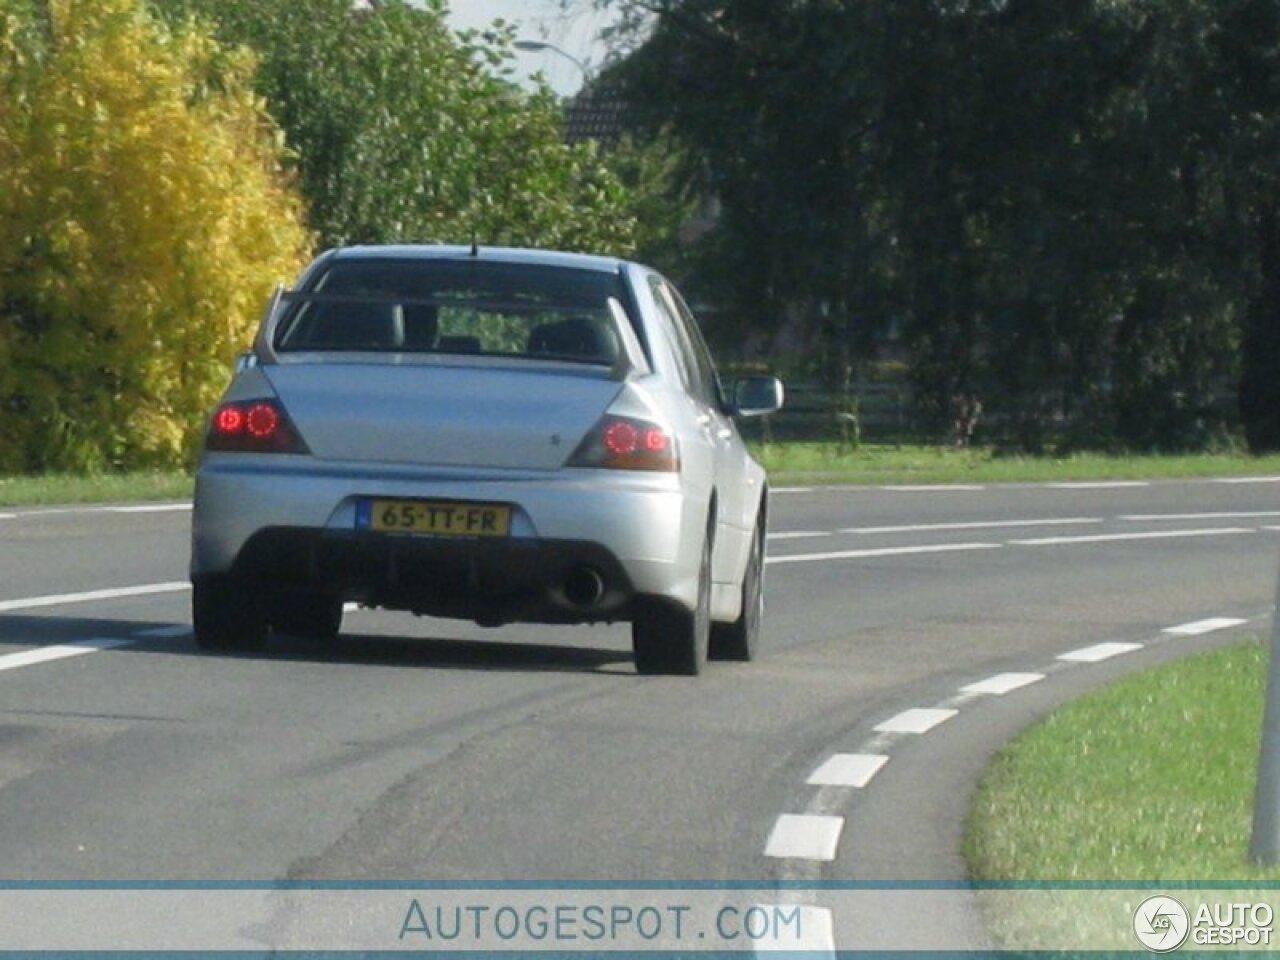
(440,518)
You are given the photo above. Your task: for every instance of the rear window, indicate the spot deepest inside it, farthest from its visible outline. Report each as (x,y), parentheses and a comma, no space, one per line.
(457,307)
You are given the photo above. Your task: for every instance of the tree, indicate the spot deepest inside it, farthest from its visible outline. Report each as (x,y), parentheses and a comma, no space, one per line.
(402,131)
(144,216)
(1068,208)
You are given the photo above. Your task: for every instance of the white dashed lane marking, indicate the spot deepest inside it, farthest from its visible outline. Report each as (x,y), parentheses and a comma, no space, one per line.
(915,720)
(1002,683)
(882,552)
(816,932)
(88,596)
(804,837)
(1225,515)
(798,534)
(1199,627)
(152,508)
(1099,652)
(933,488)
(976,525)
(1098,485)
(1119,537)
(848,770)
(61,651)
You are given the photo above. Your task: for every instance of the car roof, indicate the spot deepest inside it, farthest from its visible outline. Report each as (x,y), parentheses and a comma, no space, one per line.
(519,255)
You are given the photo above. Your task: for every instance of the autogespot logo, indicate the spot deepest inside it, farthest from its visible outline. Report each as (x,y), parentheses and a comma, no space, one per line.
(1161,924)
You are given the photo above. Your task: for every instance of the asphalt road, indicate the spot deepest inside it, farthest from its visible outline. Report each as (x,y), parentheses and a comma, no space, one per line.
(426,749)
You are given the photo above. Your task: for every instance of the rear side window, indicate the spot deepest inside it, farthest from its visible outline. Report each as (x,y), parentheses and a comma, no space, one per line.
(457,307)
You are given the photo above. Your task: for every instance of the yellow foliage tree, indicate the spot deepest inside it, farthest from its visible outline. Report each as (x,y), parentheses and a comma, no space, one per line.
(144,218)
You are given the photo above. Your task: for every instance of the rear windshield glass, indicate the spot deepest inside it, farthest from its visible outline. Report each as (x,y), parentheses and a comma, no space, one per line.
(458,307)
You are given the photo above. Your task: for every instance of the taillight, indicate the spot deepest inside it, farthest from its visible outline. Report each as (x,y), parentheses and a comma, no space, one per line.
(253,426)
(626,443)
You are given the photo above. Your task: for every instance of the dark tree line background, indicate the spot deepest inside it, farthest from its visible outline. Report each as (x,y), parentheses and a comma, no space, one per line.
(1068,209)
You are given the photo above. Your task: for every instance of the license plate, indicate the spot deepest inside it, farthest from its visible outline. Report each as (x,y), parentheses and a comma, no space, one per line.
(436,518)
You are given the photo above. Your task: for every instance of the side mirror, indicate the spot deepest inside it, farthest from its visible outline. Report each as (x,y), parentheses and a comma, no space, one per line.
(246,361)
(755,396)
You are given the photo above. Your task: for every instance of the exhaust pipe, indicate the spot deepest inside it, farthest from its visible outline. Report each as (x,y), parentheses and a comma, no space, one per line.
(584,586)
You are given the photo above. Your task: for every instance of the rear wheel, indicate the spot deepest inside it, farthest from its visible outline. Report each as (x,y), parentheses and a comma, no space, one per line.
(668,639)
(317,616)
(740,640)
(227,616)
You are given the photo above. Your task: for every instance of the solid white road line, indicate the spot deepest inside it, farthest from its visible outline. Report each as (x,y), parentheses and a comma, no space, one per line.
(8,516)
(58,599)
(792,490)
(848,770)
(1198,627)
(1098,485)
(977,525)
(798,534)
(1117,537)
(916,720)
(883,552)
(804,837)
(1246,480)
(1002,683)
(1099,652)
(59,651)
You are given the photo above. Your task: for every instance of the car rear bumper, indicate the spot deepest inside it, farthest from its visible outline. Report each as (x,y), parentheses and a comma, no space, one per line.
(294,524)
(491,581)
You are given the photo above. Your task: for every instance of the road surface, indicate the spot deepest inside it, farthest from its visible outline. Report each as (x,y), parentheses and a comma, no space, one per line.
(923,625)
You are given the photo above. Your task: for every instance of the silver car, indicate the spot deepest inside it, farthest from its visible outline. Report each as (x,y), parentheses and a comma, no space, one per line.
(489,434)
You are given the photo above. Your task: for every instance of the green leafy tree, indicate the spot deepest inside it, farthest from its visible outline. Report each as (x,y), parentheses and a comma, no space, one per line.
(403,131)
(144,217)
(1069,208)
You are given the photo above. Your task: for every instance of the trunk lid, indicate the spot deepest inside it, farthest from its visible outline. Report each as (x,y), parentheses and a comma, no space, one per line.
(506,416)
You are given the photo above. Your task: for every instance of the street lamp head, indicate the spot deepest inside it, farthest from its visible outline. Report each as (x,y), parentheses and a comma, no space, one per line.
(541,46)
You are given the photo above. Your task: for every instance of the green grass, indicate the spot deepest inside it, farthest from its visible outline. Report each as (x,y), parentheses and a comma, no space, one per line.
(827,463)
(103,488)
(788,463)
(1149,779)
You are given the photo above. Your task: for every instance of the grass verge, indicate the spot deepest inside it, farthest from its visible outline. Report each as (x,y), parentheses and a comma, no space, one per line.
(787,463)
(828,463)
(1149,779)
(104,488)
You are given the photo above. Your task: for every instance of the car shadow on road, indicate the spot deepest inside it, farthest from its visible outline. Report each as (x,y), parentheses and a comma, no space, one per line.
(353,649)
(444,653)
(39,631)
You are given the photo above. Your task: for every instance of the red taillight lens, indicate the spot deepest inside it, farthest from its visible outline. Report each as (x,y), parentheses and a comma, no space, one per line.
(228,420)
(262,421)
(621,438)
(625,443)
(256,426)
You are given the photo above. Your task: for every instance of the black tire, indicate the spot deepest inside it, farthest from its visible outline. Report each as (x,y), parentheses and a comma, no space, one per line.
(227,616)
(668,639)
(740,640)
(316,616)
